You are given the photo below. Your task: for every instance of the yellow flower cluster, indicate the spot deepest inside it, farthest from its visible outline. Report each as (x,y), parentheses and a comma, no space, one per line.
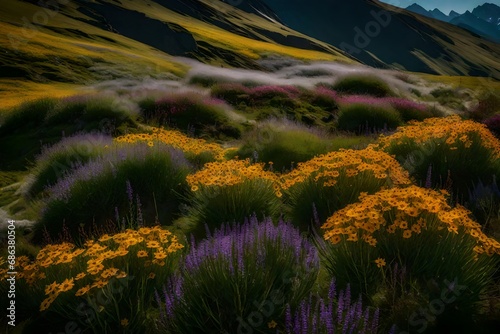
(405,209)
(175,139)
(231,172)
(452,129)
(93,266)
(347,163)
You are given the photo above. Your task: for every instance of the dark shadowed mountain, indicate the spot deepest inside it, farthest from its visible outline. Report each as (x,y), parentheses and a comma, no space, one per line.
(484,20)
(386,36)
(479,26)
(416,8)
(488,12)
(453,14)
(437,14)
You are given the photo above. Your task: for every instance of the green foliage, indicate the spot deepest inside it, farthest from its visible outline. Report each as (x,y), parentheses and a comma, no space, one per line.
(29,115)
(86,111)
(310,203)
(212,206)
(363,85)
(455,167)
(361,118)
(282,147)
(61,158)
(449,97)
(433,261)
(92,195)
(291,143)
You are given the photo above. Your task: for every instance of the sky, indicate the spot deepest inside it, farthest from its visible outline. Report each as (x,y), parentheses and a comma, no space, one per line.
(445,6)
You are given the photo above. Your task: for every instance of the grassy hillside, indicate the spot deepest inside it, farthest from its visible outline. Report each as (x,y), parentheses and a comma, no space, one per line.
(72,47)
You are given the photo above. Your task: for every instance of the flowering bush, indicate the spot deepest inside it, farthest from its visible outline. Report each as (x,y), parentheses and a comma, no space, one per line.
(331,314)
(408,110)
(327,183)
(493,124)
(96,286)
(417,229)
(103,190)
(231,190)
(192,112)
(239,279)
(450,152)
(176,139)
(58,160)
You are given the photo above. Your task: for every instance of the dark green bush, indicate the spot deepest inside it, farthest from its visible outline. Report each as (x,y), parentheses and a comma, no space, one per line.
(363,85)
(139,181)
(363,118)
(29,115)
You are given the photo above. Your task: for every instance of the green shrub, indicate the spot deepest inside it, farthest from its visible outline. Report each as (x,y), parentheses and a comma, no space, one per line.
(363,85)
(361,118)
(29,115)
(88,112)
(139,181)
(239,280)
(190,112)
(233,93)
(457,160)
(214,205)
(283,143)
(57,161)
(487,106)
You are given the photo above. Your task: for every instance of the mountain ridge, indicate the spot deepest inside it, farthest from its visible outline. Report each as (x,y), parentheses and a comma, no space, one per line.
(484,20)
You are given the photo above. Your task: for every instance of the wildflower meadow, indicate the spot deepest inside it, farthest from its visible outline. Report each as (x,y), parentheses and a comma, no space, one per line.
(203,213)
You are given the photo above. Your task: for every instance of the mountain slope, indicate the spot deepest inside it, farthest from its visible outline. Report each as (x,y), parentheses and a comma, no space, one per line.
(409,41)
(51,50)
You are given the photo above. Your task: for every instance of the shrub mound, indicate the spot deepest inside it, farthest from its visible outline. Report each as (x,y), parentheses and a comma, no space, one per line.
(364,118)
(388,228)
(240,279)
(112,188)
(363,85)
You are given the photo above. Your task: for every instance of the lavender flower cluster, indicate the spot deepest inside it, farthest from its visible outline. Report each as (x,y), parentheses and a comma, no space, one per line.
(233,242)
(334,314)
(238,250)
(109,162)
